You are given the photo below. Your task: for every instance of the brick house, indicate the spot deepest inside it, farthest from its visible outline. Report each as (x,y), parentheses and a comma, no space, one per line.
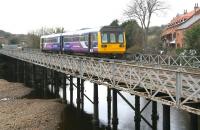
(173,34)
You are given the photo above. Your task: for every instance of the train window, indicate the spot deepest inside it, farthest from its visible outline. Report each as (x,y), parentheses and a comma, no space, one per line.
(76,38)
(112,38)
(86,37)
(52,40)
(82,38)
(120,38)
(94,37)
(67,39)
(104,37)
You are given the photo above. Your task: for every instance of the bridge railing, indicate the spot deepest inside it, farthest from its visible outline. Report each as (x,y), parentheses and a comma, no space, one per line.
(184,61)
(172,87)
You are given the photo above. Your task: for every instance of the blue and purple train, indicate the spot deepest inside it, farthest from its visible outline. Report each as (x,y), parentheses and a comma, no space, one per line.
(104,40)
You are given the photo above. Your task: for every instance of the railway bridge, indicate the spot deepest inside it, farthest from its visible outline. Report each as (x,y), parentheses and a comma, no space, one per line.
(174,82)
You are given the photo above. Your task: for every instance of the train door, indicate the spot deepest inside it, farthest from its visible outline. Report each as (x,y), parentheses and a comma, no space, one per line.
(90,48)
(61,44)
(92,42)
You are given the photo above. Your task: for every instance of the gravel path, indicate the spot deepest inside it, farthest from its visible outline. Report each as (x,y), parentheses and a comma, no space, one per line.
(27,114)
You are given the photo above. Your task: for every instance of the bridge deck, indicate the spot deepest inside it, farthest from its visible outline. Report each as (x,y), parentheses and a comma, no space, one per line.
(175,87)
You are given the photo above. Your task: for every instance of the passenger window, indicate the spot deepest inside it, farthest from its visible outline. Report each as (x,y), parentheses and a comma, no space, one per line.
(120,38)
(82,38)
(94,37)
(112,38)
(86,37)
(67,39)
(75,38)
(104,37)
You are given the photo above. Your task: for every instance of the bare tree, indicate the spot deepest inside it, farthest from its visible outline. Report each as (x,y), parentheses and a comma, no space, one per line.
(47,31)
(142,11)
(34,36)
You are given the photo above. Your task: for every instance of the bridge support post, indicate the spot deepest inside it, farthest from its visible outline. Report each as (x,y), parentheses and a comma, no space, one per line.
(56,87)
(166,117)
(96,108)
(78,99)
(71,90)
(10,70)
(82,95)
(14,77)
(52,81)
(109,107)
(194,121)
(137,113)
(154,116)
(24,66)
(115,115)
(64,88)
(44,81)
(17,71)
(33,75)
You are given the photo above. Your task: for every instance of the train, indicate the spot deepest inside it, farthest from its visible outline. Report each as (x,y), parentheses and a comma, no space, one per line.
(102,40)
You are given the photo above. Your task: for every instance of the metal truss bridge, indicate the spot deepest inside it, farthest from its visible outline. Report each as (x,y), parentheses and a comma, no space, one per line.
(168,80)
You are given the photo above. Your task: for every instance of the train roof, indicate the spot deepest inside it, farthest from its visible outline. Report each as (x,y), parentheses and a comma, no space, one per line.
(111,28)
(82,31)
(52,35)
(85,31)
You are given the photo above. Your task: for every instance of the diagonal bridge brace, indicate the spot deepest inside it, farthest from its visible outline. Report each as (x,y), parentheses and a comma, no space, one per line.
(145,120)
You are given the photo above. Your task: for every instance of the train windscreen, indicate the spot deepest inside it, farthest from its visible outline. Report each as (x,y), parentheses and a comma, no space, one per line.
(112,35)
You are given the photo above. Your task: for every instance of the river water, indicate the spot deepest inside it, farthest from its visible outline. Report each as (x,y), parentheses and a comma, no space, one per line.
(180,120)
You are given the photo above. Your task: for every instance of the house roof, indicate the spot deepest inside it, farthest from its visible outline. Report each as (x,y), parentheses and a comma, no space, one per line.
(182,17)
(180,20)
(191,21)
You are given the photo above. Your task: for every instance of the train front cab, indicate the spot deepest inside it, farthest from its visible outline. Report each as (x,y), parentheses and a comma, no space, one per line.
(111,40)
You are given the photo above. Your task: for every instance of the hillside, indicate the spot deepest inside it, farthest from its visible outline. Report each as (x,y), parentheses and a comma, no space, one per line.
(9,38)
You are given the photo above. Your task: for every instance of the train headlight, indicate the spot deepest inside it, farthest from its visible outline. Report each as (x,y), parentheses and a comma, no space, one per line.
(103,46)
(121,45)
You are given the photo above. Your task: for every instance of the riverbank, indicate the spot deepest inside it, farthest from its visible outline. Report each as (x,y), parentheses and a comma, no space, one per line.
(30,114)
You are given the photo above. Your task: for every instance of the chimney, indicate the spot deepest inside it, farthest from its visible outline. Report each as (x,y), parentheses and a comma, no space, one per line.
(196,6)
(185,11)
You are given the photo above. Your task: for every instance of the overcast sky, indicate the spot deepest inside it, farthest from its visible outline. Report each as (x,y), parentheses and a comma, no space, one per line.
(22,16)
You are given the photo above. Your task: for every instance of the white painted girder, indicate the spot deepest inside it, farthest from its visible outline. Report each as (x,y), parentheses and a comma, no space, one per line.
(171,87)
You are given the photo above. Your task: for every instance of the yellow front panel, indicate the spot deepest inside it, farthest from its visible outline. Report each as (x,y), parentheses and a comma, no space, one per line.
(112,48)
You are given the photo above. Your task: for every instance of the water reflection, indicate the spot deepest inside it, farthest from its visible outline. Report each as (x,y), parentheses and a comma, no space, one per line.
(179,119)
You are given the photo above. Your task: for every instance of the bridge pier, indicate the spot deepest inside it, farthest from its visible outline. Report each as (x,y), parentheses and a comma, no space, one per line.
(166,117)
(27,74)
(17,71)
(56,84)
(33,75)
(64,88)
(109,107)
(52,81)
(13,68)
(71,90)
(44,82)
(194,121)
(82,95)
(78,99)
(115,115)
(137,113)
(96,108)
(154,116)
(24,77)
